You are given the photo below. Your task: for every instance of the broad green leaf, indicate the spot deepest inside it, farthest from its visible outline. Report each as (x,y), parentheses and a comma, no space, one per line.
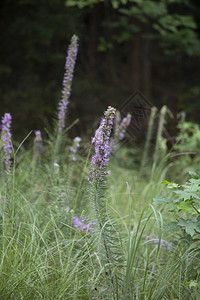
(189,226)
(182,195)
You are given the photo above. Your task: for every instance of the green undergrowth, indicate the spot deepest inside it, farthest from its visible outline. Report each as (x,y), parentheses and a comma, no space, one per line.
(44,256)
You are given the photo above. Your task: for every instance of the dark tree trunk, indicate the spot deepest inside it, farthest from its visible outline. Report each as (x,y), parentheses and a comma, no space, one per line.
(135,63)
(147,68)
(92,44)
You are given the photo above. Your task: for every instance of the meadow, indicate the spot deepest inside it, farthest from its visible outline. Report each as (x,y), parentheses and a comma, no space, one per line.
(93,219)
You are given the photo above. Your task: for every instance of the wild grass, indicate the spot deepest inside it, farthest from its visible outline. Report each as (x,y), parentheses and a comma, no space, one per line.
(43,256)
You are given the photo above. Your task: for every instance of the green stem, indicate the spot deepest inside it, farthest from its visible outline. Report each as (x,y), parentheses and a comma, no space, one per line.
(148,139)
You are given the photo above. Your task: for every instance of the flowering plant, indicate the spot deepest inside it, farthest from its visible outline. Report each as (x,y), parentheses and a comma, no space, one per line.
(74,147)
(101,142)
(67,82)
(6,138)
(83,224)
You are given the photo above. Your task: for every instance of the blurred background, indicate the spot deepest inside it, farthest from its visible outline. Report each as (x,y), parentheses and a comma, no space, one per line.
(148,45)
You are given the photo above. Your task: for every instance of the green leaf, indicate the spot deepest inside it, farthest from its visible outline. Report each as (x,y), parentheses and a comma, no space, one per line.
(186,206)
(171,227)
(193,175)
(189,226)
(165,182)
(172,185)
(115,4)
(188,21)
(183,195)
(191,283)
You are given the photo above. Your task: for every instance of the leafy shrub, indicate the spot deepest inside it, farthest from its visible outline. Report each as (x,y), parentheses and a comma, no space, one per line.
(184,204)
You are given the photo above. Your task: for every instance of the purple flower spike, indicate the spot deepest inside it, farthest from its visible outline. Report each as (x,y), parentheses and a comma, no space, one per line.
(67,81)
(120,129)
(74,148)
(101,143)
(38,139)
(6,138)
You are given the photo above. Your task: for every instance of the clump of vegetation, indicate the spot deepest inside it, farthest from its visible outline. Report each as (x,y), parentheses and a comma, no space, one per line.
(79,225)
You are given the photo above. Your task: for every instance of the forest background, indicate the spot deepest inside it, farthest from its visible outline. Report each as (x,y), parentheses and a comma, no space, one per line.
(124,46)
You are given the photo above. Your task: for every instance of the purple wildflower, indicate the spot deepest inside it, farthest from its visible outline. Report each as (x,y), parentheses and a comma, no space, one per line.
(119,129)
(56,165)
(74,147)
(82,224)
(164,244)
(67,81)
(37,147)
(38,139)
(6,138)
(101,143)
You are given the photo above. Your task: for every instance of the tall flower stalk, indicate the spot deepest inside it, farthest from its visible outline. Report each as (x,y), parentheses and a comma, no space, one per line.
(6,138)
(67,82)
(108,242)
(37,148)
(66,91)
